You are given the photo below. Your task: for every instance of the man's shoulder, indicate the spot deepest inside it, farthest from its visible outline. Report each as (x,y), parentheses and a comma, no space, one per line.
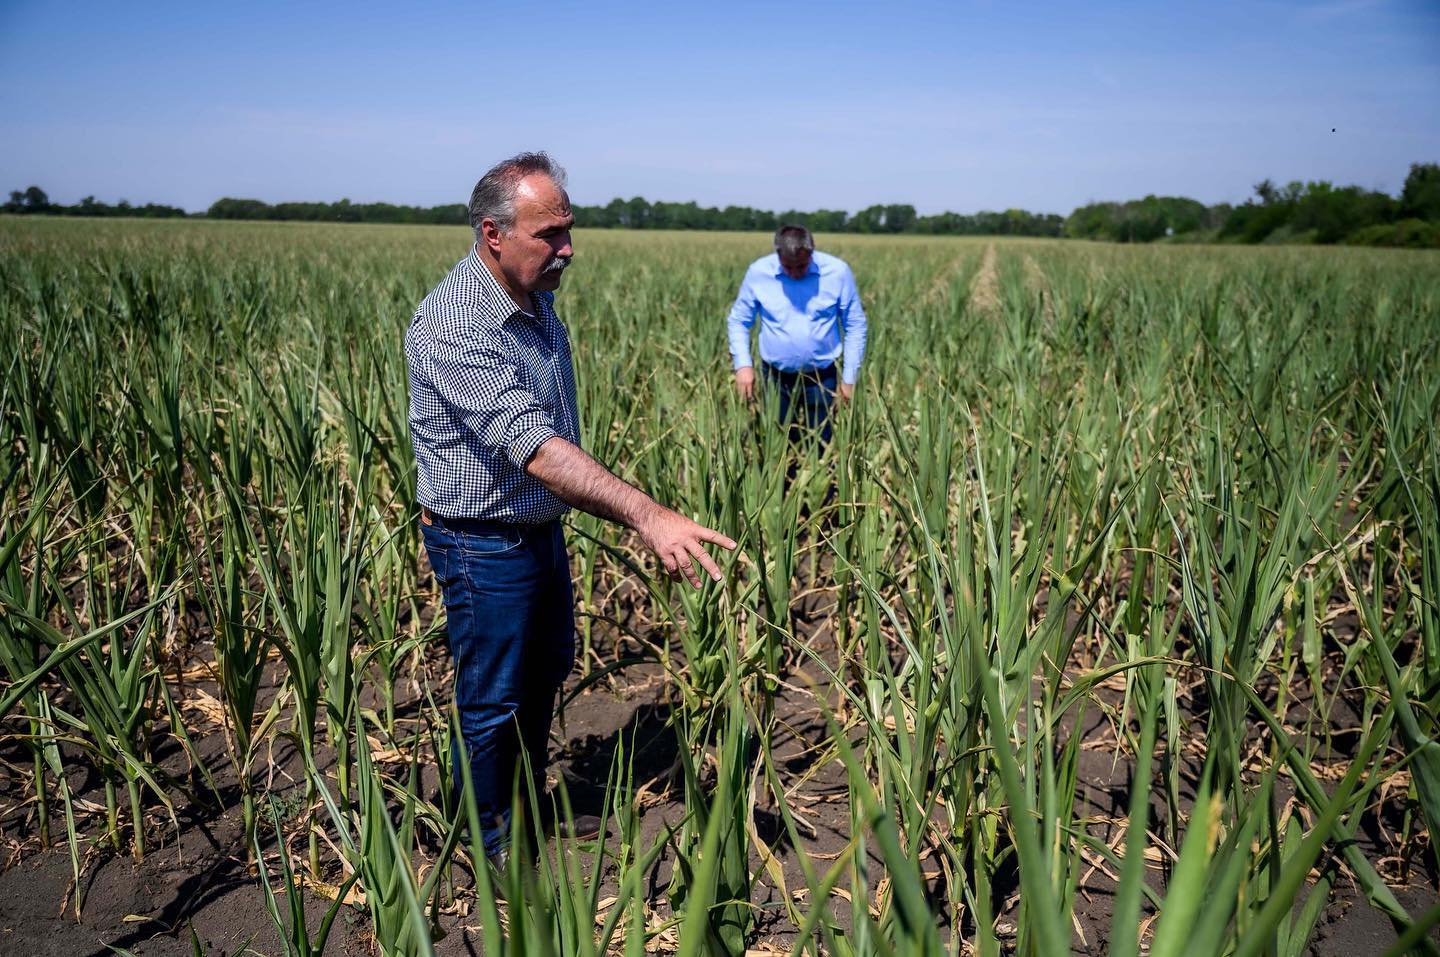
(459,297)
(767,265)
(829,262)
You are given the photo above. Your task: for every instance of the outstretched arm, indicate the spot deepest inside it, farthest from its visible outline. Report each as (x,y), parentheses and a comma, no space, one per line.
(580,481)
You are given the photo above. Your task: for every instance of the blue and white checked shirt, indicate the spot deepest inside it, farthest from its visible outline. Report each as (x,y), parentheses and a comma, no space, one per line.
(489,385)
(801,320)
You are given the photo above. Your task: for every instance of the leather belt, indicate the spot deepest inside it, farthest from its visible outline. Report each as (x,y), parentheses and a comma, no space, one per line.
(471,526)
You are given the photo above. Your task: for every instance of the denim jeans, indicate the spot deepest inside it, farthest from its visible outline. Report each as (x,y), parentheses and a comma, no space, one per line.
(805,400)
(512,640)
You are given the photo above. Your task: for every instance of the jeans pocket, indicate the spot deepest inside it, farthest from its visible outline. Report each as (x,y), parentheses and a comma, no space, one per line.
(489,544)
(438,546)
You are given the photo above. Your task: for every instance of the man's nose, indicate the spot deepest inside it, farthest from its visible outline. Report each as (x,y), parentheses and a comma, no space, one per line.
(565,250)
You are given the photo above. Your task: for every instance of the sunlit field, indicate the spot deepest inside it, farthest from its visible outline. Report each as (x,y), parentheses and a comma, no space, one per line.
(1108,624)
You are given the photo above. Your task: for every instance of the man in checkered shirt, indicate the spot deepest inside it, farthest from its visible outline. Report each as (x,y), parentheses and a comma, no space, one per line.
(497,442)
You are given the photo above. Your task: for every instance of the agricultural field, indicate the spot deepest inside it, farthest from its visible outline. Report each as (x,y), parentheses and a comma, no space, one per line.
(1107,625)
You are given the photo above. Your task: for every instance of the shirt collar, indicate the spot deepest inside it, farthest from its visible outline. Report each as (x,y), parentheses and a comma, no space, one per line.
(814,269)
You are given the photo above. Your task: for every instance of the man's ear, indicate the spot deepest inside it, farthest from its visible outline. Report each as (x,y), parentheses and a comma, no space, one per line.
(490,233)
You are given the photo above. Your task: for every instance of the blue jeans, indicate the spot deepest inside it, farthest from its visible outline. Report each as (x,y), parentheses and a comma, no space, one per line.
(805,400)
(511,621)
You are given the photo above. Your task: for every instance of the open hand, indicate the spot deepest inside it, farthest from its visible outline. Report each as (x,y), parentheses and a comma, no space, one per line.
(676,541)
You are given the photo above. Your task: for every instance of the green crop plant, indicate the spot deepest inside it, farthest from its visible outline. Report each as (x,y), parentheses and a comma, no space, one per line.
(1121,574)
(293,927)
(236,619)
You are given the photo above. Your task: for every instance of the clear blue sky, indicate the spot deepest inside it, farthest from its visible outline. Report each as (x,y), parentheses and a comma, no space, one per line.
(960,106)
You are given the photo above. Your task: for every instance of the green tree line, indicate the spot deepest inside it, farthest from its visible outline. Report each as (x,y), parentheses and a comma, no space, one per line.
(638,213)
(342,212)
(1314,212)
(35,200)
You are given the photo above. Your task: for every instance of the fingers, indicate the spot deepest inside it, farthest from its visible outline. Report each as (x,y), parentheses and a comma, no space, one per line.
(678,562)
(716,538)
(679,548)
(682,561)
(677,565)
(706,562)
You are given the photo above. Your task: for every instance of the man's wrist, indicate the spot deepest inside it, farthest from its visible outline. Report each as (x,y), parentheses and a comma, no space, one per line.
(642,511)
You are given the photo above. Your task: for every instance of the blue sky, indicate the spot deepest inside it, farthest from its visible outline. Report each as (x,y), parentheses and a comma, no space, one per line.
(960,106)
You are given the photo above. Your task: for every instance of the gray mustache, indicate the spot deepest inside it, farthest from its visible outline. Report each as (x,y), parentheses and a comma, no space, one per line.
(557,265)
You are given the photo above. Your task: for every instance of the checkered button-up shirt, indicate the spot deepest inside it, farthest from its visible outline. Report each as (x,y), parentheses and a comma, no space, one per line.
(489,384)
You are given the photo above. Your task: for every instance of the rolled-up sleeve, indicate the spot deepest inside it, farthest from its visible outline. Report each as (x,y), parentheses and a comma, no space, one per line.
(742,317)
(852,318)
(489,397)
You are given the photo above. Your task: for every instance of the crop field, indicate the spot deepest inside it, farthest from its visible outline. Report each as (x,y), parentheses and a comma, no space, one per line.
(1108,624)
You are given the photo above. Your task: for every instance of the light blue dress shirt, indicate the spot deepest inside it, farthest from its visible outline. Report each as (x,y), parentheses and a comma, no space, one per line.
(802,321)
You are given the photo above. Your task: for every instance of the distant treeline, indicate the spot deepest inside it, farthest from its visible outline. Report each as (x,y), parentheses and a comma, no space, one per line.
(1316,212)
(34,200)
(341,212)
(639,213)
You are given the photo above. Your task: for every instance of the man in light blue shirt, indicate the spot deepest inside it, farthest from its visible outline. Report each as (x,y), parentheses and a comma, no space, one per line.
(807,305)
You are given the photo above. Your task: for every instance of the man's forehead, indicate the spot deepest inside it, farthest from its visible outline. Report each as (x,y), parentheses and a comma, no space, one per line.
(537,195)
(540,190)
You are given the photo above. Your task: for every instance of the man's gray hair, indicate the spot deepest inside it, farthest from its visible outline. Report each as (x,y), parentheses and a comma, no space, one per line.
(791,241)
(494,196)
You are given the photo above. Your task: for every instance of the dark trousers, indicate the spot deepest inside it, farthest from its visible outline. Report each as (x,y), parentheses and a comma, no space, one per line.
(805,400)
(512,640)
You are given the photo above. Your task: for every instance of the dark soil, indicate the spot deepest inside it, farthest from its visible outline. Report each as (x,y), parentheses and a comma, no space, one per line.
(194,880)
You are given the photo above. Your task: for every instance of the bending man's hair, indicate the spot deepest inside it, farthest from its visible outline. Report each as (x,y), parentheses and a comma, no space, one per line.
(790,241)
